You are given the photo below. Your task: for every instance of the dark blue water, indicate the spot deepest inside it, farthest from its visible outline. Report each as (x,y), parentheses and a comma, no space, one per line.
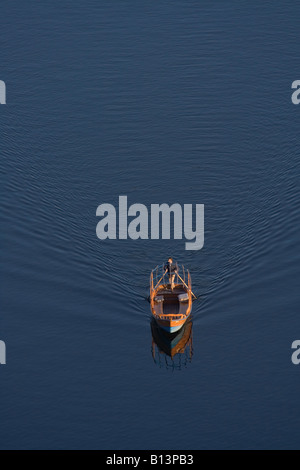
(186,102)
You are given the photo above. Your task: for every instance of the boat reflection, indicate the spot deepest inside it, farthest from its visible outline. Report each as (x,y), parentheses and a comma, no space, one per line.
(172,351)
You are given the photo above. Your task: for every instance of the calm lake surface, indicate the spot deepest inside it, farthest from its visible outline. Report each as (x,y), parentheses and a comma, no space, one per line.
(186,102)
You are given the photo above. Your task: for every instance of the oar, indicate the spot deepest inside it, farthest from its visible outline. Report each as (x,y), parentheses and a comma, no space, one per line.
(186,286)
(159,281)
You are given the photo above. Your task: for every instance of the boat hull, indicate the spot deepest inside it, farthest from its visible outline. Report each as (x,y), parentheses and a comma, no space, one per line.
(171,326)
(172,344)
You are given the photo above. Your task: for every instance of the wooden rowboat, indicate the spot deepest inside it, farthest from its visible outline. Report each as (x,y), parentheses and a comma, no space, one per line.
(171,307)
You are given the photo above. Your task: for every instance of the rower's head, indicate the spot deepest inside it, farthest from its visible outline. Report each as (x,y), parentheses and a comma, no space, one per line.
(170,260)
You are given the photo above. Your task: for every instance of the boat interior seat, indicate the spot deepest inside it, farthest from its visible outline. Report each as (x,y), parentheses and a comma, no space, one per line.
(183,297)
(159,299)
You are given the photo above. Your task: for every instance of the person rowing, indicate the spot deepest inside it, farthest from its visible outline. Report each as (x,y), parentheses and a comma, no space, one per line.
(171,269)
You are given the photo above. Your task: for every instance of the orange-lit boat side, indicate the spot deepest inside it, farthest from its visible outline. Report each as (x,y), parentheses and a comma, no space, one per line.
(170,307)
